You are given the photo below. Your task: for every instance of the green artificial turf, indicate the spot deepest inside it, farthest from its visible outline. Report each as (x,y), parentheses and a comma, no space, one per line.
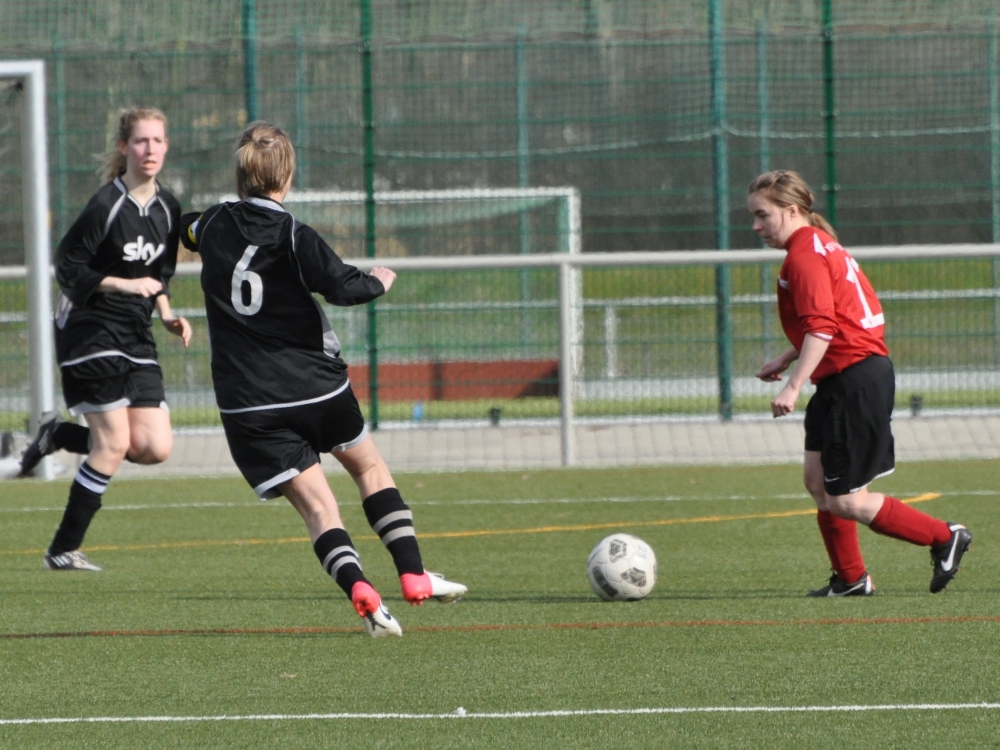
(727,624)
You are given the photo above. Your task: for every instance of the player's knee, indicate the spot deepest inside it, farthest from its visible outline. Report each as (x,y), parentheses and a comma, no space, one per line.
(112,446)
(154,451)
(845,506)
(815,487)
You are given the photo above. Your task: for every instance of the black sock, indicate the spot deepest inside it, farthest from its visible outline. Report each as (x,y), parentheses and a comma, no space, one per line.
(339,558)
(74,438)
(392,520)
(84,501)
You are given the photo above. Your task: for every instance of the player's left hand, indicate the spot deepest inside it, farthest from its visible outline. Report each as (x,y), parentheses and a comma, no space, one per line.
(179,327)
(784,402)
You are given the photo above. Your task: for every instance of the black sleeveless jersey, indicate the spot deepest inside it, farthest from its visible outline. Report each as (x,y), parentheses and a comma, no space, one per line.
(114,236)
(272,345)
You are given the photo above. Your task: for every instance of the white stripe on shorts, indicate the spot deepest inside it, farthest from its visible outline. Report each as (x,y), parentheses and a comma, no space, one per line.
(266,491)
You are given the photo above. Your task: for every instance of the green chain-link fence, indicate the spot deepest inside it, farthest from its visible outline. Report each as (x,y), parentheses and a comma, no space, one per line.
(890,109)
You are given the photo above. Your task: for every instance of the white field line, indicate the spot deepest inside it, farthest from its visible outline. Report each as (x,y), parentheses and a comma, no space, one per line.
(536,501)
(461,713)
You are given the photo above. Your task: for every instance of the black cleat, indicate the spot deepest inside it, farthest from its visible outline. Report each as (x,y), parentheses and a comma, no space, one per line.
(946,557)
(838,587)
(43,445)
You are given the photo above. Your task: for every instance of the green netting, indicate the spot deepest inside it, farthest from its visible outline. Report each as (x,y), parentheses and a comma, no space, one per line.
(624,116)
(613,99)
(112,24)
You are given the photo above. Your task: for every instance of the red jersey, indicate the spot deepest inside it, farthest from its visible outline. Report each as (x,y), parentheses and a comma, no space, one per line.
(822,291)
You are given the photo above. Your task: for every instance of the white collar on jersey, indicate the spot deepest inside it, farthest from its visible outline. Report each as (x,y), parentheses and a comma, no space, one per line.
(143,210)
(266,203)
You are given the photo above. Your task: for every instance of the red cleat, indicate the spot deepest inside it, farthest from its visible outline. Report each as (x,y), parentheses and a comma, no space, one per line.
(416,588)
(430,586)
(368,604)
(364,598)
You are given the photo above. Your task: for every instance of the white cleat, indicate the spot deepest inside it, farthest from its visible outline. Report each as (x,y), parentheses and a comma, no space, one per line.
(74,560)
(446,591)
(379,622)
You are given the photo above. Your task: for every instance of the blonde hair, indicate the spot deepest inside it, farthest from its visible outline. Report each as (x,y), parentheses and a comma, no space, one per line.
(785,188)
(115,162)
(265,160)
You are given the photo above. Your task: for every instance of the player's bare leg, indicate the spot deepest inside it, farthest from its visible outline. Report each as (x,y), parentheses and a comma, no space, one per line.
(366,466)
(889,516)
(392,520)
(110,439)
(150,437)
(310,494)
(840,536)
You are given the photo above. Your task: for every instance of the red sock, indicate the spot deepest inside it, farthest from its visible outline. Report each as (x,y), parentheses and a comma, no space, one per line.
(840,535)
(900,521)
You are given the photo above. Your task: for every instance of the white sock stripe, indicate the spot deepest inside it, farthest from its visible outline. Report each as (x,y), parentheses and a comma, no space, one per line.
(90,482)
(391,536)
(399,515)
(94,474)
(345,560)
(336,552)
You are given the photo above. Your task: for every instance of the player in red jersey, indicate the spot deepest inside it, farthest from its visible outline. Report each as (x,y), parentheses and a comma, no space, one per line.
(834,321)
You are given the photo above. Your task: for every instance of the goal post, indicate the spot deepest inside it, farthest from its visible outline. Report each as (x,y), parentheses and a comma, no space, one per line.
(30,76)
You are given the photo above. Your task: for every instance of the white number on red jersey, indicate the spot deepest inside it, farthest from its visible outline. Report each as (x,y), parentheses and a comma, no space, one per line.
(870,320)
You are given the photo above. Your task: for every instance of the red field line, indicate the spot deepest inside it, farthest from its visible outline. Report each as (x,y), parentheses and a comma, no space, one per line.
(487,628)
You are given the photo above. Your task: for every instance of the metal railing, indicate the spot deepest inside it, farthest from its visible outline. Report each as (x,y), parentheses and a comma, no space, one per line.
(568,301)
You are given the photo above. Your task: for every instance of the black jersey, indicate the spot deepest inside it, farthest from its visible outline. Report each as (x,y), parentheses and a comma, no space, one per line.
(114,236)
(272,345)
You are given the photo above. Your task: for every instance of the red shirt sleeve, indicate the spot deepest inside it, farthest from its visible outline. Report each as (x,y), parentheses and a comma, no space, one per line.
(811,289)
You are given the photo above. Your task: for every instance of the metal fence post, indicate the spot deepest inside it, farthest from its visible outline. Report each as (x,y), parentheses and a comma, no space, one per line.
(369,169)
(829,115)
(764,118)
(523,177)
(567,365)
(62,211)
(301,124)
(993,75)
(249,22)
(723,318)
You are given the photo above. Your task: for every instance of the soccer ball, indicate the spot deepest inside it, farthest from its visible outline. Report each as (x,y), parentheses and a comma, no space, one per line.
(621,568)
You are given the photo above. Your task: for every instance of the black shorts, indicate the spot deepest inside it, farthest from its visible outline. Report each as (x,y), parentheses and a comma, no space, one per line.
(103,386)
(271,446)
(848,423)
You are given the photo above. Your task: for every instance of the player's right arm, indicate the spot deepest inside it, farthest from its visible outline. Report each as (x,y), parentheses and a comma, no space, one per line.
(771,371)
(813,351)
(73,272)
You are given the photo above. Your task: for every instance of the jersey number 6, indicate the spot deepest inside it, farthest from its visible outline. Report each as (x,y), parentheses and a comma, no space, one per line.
(241,275)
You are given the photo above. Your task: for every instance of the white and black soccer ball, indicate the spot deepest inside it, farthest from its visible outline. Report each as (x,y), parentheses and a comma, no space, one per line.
(622,568)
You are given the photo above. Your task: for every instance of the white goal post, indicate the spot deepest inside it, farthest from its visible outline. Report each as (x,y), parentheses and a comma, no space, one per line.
(30,76)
